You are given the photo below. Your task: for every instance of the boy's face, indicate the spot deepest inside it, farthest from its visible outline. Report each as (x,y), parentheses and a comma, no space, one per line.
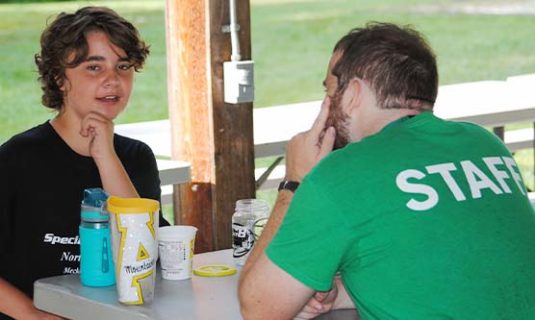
(102,83)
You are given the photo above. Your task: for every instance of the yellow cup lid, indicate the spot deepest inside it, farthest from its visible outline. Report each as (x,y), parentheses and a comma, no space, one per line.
(215,270)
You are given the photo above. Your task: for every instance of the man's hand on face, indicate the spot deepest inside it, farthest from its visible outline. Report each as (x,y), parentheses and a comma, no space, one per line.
(99,130)
(307,148)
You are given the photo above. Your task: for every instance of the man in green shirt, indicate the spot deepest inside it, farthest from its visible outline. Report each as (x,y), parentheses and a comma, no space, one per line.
(414,218)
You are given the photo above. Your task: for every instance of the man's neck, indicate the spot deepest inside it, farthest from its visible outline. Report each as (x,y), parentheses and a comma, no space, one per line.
(376,119)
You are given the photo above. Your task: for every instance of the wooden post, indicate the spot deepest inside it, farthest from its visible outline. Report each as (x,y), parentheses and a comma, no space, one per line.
(215,137)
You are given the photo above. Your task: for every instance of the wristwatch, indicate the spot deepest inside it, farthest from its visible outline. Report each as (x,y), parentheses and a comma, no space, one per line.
(288,185)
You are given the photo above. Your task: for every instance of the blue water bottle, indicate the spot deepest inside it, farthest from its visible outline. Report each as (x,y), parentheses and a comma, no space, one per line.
(96,263)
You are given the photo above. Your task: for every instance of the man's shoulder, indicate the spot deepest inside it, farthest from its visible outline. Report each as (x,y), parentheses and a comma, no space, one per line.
(474,134)
(349,156)
(468,126)
(339,166)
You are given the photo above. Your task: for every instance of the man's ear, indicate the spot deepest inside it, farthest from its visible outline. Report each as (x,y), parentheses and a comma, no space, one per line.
(355,90)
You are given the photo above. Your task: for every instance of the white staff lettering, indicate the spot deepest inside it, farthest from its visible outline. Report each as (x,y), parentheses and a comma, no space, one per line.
(444,170)
(476,180)
(405,185)
(511,164)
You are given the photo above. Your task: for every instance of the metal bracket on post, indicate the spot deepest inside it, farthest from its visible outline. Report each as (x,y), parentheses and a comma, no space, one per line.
(229,28)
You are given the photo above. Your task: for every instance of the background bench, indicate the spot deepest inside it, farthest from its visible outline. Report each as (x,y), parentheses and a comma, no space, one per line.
(172,172)
(488,103)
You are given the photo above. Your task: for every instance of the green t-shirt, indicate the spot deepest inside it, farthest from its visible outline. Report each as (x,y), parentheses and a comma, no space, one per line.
(427,219)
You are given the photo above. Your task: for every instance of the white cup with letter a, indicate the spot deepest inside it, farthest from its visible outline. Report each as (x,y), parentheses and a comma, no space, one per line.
(134,227)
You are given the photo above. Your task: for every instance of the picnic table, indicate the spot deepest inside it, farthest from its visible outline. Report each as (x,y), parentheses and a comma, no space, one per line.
(199,298)
(202,298)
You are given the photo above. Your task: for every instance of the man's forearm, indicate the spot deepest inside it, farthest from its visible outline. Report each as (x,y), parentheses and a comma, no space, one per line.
(266,291)
(277,215)
(303,152)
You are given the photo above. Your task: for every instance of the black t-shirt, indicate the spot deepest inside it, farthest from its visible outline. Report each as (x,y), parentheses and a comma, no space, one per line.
(41,186)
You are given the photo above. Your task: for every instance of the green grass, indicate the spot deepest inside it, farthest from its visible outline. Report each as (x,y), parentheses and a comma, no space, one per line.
(20,28)
(295,51)
(291,40)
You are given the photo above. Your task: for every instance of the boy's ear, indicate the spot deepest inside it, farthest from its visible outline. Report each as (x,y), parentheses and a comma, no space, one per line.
(61,83)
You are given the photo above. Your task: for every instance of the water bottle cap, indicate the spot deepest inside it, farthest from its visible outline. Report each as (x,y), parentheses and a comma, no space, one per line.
(92,205)
(95,197)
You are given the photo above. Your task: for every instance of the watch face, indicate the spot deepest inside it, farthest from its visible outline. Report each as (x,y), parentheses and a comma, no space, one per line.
(288,185)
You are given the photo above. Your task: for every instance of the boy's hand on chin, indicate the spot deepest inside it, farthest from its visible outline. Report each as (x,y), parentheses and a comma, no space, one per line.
(99,130)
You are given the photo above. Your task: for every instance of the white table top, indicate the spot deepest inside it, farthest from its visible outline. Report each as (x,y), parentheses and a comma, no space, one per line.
(199,298)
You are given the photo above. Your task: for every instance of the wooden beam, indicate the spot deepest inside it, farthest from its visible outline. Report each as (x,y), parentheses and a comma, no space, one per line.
(215,137)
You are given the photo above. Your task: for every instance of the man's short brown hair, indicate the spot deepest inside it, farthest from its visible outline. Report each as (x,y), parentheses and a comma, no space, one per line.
(396,61)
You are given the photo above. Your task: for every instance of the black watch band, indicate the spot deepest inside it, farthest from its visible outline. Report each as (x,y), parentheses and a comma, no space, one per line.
(288,185)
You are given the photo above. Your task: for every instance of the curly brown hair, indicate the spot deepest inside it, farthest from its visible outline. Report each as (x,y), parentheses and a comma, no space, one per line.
(67,35)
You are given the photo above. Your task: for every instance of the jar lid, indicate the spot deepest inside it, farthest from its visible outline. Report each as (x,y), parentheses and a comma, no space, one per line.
(215,270)
(252,205)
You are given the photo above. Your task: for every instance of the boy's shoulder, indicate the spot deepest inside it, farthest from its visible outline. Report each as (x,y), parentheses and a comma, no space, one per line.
(28,139)
(126,146)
